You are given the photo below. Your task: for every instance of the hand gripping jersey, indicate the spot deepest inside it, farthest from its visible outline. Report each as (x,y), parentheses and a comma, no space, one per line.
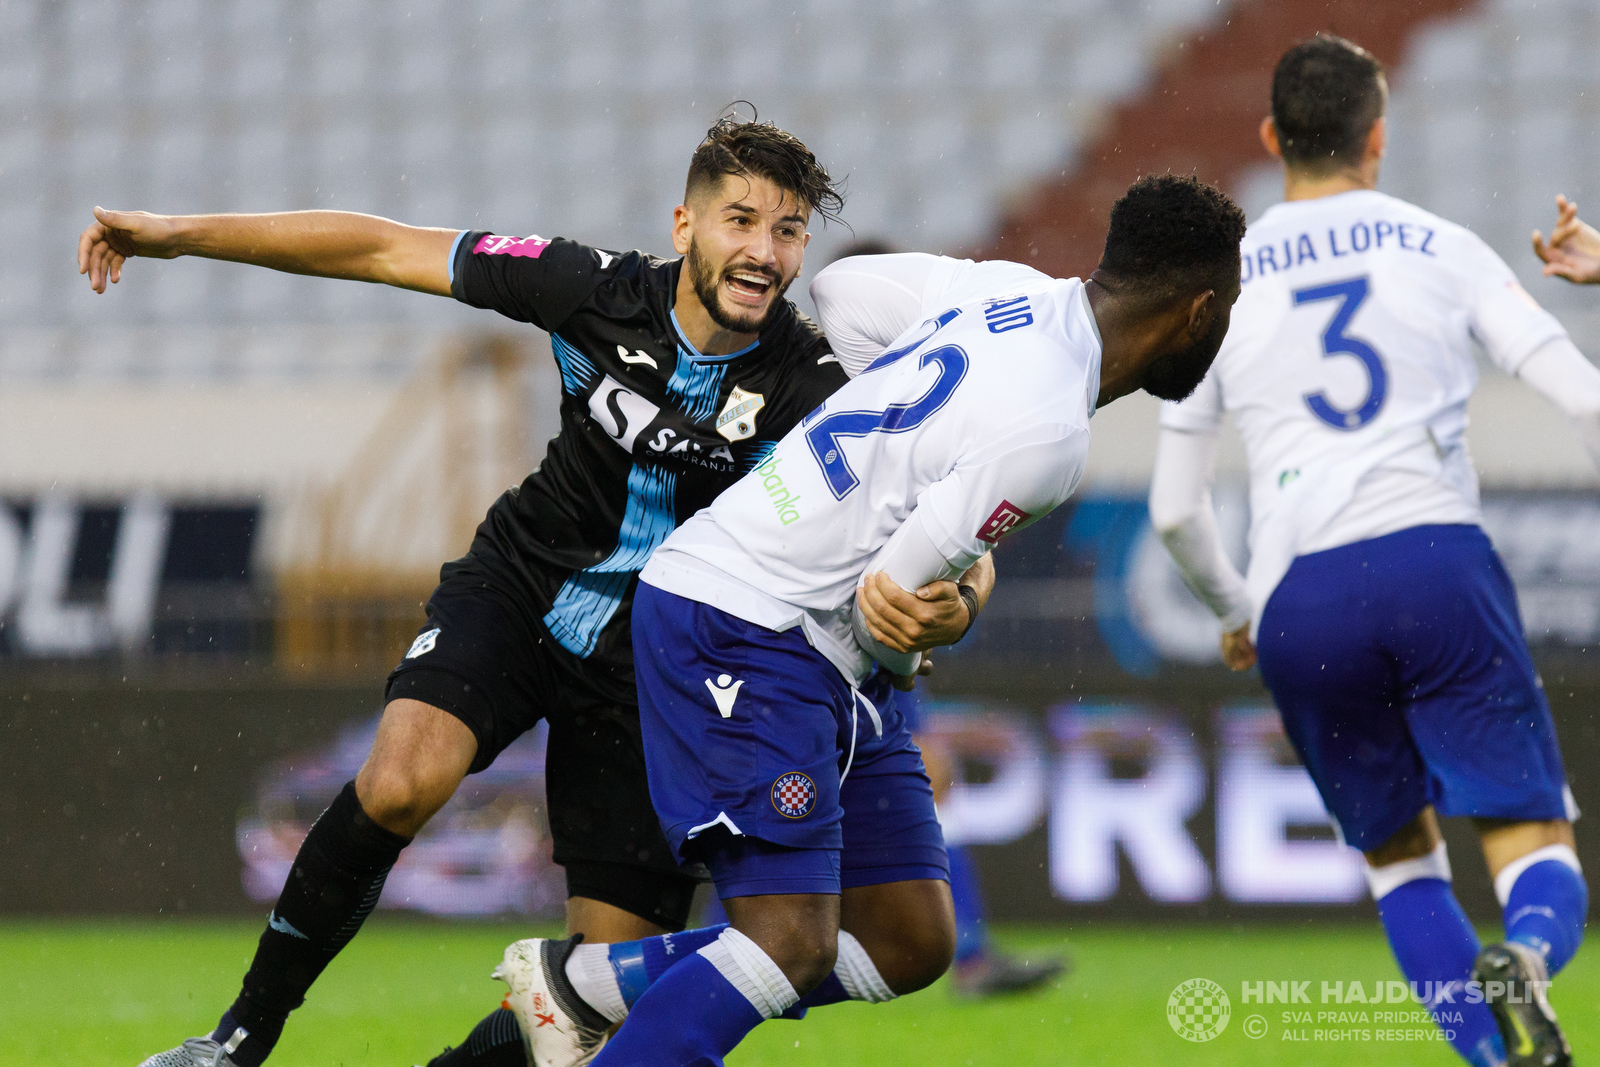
(1348,367)
(651,430)
(976,418)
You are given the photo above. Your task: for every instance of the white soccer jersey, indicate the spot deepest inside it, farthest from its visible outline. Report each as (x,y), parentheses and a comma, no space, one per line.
(976,418)
(1348,367)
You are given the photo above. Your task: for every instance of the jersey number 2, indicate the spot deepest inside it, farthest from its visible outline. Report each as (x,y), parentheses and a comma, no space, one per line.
(824,437)
(1335,342)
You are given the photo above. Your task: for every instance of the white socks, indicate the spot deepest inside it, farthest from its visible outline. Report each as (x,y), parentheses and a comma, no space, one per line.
(1507,878)
(589,971)
(742,962)
(752,972)
(857,973)
(1385,880)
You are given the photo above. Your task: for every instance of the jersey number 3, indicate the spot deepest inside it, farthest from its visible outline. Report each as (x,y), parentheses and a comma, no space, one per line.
(824,437)
(1335,342)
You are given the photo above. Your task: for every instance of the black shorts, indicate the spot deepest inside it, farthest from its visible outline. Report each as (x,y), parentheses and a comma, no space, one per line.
(484,658)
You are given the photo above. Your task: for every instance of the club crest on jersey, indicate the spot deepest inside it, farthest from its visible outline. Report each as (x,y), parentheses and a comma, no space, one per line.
(794,795)
(1005,518)
(424,643)
(738,418)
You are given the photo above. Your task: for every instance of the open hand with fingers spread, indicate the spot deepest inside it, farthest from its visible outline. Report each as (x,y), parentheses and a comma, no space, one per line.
(114,236)
(1573,251)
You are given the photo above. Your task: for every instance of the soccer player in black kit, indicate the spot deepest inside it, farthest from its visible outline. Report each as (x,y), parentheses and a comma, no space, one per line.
(677,376)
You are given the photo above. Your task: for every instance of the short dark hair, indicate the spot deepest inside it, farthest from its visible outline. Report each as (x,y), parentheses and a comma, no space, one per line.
(1326,94)
(733,146)
(1169,233)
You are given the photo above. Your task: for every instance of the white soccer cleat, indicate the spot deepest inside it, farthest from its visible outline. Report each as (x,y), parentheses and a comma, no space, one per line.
(558,1028)
(197,1052)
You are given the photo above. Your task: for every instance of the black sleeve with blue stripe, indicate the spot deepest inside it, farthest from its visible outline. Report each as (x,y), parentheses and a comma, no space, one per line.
(531,279)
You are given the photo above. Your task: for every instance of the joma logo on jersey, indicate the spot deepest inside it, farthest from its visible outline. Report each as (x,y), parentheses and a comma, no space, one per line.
(531,247)
(1006,517)
(783,501)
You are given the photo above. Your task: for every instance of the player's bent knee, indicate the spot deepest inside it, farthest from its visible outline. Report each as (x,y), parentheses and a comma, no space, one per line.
(921,957)
(907,928)
(417,760)
(800,933)
(1415,840)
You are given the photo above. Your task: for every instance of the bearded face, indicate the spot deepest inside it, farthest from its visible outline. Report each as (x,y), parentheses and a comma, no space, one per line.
(740,296)
(1177,374)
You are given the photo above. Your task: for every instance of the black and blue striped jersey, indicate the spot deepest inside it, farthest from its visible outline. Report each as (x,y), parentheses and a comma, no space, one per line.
(651,431)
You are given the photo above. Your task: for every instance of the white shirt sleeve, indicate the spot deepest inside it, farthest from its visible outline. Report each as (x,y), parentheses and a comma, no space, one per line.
(1561,375)
(1001,489)
(1503,316)
(864,302)
(911,560)
(1181,512)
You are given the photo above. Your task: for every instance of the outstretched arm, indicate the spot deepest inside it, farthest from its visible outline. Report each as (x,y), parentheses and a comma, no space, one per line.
(329,244)
(1560,373)
(1573,251)
(1180,511)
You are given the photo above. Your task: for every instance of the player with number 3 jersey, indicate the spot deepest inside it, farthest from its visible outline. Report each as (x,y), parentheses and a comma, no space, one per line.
(1387,628)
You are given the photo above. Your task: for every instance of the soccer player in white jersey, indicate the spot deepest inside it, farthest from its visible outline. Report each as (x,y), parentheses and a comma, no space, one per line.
(773,749)
(1387,629)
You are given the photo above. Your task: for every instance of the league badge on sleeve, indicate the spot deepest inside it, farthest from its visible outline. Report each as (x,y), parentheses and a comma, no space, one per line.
(794,795)
(738,418)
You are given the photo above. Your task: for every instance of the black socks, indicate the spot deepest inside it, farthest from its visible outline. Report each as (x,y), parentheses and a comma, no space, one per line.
(494,1042)
(332,888)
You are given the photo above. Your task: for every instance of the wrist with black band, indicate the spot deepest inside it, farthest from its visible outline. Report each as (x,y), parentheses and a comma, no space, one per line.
(969,597)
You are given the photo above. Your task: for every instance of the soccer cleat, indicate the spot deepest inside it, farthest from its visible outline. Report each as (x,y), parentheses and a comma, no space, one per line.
(198,1052)
(994,974)
(558,1028)
(1514,983)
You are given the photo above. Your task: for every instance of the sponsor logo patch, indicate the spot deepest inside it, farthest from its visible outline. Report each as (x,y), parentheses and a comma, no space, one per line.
(1006,518)
(794,795)
(531,247)
(424,643)
(622,413)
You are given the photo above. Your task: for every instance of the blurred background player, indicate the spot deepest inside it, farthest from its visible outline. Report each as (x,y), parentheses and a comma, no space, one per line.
(1388,631)
(677,377)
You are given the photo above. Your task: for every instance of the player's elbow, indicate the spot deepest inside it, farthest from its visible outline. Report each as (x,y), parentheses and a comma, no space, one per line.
(1169,517)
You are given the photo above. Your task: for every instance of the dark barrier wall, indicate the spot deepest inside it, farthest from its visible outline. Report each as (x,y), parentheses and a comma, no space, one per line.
(126,798)
(1090,795)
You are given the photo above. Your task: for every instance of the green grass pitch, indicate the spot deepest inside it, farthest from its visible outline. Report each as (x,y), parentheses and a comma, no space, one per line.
(110,993)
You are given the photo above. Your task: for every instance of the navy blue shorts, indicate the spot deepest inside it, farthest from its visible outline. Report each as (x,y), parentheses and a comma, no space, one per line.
(1401,671)
(747,732)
